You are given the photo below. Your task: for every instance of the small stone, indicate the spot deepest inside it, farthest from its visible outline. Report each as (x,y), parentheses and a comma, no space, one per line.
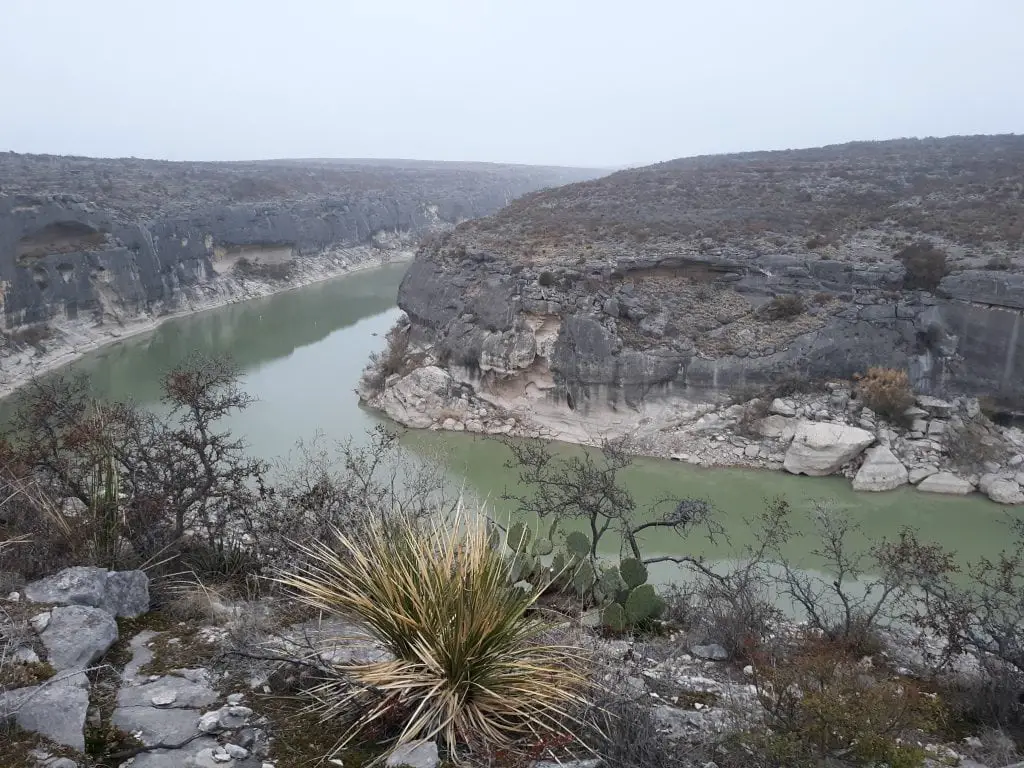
(40,621)
(25,655)
(748,670)
(220,755)
(236,698)
(711,652)
(782,408)
(13,597)
(233,716)
(1016,461)
(209,722)
(164,699)
(415,754)
(236,752)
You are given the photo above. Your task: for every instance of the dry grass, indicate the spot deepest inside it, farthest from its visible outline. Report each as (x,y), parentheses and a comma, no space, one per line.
(887,392)
(470,666)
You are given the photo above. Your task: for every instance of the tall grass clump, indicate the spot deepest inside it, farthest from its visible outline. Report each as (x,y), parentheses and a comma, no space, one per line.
(473,665)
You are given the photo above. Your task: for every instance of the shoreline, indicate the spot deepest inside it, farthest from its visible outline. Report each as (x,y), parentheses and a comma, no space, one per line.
(319,269)
(819,434)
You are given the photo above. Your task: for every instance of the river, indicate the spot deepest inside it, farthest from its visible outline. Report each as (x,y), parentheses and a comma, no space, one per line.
(302,353)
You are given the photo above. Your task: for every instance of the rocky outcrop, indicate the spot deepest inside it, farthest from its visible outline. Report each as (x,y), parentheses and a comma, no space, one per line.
(88,244)
(946,482)
(604,306)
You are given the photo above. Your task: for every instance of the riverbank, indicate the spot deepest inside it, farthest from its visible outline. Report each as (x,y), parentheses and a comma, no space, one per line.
(69,340)
(943,446)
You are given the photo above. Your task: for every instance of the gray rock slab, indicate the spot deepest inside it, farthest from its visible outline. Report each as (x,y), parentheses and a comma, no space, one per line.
(174,758)
(77,636)
(170,692)
(54,711)
(157,726)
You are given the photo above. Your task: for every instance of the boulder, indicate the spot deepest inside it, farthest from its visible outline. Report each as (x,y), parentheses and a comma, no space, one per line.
(119,593)
(78,635)
(712,652)
(782,408)
(776,426)
(1001,490)
(81,585)
(820,448)
(945,482)
(414,399)
(881,471)
(127,594)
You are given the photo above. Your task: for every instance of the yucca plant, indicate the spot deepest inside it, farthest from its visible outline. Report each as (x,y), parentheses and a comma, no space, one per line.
(471,666)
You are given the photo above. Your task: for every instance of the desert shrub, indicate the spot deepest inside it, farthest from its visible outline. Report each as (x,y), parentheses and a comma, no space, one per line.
(470,666)
(971,445)
(925,266)
(784,307)
(999,263)
(393,359)
(546,279)
(623,733)
(818,702)
(32,336)
(887,392)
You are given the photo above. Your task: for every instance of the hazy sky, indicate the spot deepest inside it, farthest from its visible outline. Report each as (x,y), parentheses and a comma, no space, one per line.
(575,82)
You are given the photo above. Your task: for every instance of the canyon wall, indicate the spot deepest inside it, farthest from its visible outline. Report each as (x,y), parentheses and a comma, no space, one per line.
(627,298)
(90,246)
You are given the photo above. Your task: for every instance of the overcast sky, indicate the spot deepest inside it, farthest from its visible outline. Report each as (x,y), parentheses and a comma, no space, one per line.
(573,82)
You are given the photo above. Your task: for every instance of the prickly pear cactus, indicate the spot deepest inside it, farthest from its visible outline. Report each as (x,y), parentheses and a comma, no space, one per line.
(642,604)
(634,572)
(578,544)
(543,547)
(583,580)
(518,537)
(614,617)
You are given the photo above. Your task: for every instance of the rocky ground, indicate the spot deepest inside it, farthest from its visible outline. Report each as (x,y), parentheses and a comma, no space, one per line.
(107,684)
(948,446)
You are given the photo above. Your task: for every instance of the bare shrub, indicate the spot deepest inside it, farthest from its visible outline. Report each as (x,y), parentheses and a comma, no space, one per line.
(623,732)
(132,485)
(819,703)
(977,611)
(734,607)
(925,266)
(887,392)
(784,307)
(847,590)
(395,359)
(971,445)
(321,487)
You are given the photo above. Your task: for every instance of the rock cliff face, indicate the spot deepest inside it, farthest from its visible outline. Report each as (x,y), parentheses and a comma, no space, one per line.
(623,301)
(94,244)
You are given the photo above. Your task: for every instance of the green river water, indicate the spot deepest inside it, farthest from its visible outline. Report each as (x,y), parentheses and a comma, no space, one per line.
(302,353)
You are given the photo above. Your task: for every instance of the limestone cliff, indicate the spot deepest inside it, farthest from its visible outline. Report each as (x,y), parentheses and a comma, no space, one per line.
(627,299)
(89,246)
